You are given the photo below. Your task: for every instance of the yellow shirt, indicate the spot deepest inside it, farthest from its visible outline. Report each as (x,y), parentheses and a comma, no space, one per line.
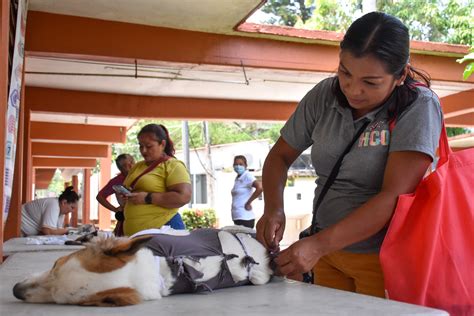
(145,216)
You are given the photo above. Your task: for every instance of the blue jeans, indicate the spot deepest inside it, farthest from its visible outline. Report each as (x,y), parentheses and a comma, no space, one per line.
(176,222)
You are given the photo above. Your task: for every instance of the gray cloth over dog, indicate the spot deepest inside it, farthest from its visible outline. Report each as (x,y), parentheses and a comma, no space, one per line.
(197,245)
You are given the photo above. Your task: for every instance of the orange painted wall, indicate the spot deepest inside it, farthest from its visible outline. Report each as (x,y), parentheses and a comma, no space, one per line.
(76,132)
(63,163)
(4,35)
(86,197)
(69,101)
(86,37)
(40,149)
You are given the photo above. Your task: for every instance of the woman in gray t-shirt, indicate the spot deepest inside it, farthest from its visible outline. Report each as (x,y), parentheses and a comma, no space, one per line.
(375,83)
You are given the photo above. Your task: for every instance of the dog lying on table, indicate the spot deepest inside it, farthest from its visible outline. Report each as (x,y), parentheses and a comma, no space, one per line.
(151,264)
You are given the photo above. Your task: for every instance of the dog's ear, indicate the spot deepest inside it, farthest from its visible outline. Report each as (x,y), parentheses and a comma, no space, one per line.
(121,296)
(128,248)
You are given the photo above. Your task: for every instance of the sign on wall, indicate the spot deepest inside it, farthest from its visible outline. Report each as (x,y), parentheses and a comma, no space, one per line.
(13,107)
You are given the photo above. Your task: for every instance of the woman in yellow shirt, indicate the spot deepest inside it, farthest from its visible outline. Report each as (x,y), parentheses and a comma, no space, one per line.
(160,184)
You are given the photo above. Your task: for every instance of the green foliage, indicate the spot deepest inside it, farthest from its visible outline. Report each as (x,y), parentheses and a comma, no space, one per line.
(331,15)
(57,183)
(454,131)
(470,66)
(448,21)
(432,20)
(287,12)
(195,218)
(220,133)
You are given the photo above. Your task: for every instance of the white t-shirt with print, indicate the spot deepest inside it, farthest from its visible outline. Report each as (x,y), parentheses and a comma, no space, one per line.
(241,193)
(40,213)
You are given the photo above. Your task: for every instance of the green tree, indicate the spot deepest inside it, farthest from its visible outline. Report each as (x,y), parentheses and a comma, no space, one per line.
(57,183)
(220,132)
(448,21)
(287,12)
(332,15)
(436,21)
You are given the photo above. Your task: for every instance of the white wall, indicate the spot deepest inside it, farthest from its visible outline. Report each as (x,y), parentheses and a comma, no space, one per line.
(298,212)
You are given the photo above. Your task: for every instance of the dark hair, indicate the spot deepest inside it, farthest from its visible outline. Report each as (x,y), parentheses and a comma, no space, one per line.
(241,157)
(120,159)
(161,133)
(386,38)
(69,195)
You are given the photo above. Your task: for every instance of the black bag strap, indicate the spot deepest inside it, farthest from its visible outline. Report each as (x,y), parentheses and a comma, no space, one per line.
(333,175)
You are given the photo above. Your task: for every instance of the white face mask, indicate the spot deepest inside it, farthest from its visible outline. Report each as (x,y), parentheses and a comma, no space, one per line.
(239,169)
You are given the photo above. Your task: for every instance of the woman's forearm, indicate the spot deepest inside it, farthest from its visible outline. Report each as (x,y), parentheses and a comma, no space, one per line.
(50,231)
(170,199)
(256,193)
(364,222)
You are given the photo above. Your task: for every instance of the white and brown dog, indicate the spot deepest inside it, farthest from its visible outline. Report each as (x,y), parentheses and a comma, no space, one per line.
(123,271)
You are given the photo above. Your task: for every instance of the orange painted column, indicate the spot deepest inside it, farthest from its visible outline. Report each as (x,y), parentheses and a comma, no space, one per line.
(74,214)
(13,224)
(28,173)
(4,40)
(86,207)
(105,175)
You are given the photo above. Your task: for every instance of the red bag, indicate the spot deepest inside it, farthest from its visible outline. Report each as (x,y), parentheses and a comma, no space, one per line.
(427,256)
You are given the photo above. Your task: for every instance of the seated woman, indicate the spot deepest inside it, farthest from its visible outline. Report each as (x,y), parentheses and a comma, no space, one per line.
(160,184)
(46,216)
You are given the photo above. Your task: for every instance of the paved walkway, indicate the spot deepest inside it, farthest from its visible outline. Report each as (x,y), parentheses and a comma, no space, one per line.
(280,297)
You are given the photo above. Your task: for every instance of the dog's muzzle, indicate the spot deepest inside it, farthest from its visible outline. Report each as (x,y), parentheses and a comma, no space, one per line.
(19,291)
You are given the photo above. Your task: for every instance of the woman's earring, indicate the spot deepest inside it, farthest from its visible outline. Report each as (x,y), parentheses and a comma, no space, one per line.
(401,83)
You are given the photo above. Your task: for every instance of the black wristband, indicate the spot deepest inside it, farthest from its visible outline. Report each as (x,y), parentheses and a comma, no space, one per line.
(148,198)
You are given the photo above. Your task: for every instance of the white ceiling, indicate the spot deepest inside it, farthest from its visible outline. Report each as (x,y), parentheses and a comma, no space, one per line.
(172,79)
(184,80)
(214,16)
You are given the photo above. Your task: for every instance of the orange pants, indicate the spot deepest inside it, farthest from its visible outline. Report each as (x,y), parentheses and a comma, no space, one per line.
(354,272)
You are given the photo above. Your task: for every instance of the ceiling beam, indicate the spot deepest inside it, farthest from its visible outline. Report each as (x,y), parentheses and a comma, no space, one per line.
(60,132)
(43,177)
(466,121)
(55,150)
(458,104)
(62,34)
(98,103)
(63,163)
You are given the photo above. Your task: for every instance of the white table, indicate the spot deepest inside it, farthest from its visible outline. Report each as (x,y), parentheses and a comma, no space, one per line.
(280,297)
(16,245)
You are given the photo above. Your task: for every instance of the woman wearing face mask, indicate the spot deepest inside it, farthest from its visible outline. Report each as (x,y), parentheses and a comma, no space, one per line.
(246,189)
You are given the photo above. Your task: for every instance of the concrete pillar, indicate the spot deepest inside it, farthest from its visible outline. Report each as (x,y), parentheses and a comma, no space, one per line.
(105,175)
(86,214)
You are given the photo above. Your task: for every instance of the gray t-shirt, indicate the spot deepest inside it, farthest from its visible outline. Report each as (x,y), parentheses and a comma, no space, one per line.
(320,121)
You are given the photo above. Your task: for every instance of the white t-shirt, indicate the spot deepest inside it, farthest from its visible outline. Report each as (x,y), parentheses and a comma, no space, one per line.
(241,193)
(40,213)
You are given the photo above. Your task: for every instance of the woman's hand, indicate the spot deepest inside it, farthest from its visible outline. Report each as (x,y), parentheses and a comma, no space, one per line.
(299,258)
(248,206)
(270,229)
